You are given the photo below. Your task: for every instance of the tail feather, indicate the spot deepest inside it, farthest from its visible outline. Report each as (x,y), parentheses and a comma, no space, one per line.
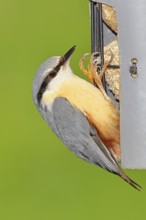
(123,175)
(129,180)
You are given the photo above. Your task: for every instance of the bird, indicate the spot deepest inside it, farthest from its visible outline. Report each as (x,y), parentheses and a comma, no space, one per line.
(81,115)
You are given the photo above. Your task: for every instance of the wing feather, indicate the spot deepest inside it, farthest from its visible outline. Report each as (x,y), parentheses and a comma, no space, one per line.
(80,136)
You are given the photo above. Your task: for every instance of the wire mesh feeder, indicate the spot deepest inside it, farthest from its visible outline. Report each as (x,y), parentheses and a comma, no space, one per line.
(104,13)
(112,75)
(132,32)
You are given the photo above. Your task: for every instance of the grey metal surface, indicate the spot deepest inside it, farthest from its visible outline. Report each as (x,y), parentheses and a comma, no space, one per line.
(132,41)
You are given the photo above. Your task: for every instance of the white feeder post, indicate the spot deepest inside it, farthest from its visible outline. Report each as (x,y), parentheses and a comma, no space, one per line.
(131,17)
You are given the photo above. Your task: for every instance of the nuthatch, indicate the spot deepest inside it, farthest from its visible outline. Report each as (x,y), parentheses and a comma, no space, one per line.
(79,114)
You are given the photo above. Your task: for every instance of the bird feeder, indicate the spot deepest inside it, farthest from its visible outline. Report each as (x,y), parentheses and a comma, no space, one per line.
(130,34)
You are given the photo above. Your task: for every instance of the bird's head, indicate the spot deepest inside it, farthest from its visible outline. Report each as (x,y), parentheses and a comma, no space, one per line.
(51,73)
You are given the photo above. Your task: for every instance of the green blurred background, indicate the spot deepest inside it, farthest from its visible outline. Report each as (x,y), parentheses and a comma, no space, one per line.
(39,177)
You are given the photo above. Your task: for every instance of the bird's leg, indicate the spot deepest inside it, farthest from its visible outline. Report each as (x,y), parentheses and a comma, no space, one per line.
(97,77)
(88,72)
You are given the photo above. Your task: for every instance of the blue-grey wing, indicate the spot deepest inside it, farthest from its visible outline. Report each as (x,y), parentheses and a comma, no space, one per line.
(73,128)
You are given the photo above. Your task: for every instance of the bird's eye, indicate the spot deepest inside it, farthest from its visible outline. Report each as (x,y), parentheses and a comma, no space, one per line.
(52,74)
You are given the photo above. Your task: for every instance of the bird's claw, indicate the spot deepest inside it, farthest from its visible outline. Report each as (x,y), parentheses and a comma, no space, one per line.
(88,72)
(94,71)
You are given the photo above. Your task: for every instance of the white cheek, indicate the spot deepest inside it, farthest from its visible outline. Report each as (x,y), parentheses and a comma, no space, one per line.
(56,82)
(63,75)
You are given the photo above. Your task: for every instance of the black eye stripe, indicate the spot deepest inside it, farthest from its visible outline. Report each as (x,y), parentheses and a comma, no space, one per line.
(48,78)
(44,84)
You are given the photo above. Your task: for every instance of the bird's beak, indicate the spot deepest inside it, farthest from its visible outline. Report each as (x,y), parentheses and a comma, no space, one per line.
(69,53)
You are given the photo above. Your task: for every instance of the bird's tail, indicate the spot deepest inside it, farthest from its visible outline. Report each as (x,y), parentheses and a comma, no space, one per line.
(123,175)
(129,180)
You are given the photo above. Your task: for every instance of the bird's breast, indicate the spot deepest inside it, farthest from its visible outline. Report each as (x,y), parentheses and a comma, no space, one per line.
(90,101)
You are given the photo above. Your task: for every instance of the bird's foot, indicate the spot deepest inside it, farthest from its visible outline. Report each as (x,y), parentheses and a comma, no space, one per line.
(87,73)
(95,72)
